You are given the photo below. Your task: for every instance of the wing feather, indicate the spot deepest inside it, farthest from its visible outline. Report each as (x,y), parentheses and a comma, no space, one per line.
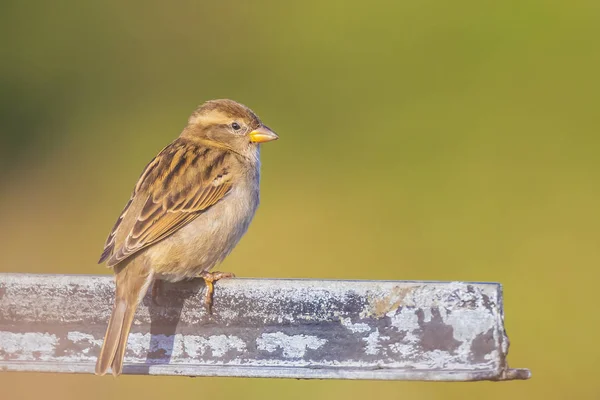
(180,183)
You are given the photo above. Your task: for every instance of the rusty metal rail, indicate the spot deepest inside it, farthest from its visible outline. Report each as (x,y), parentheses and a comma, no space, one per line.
(439,331)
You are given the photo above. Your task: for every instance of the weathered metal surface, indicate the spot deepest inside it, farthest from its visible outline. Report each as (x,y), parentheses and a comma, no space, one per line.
(263,328)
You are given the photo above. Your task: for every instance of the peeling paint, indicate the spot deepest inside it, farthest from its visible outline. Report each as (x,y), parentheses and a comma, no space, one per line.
(84,338)
(355,328)
(468,324)
(380,305)
(77,337)
(372,343)
(219,345)
(406,319)
(293,346)
(423,330)
(28,346)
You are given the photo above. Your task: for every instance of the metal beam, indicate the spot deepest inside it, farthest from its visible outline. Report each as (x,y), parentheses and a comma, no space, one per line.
(287,328)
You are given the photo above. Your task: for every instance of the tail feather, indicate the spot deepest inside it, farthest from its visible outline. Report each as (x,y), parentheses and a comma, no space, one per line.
(112,337)
(117,363)
(132,283)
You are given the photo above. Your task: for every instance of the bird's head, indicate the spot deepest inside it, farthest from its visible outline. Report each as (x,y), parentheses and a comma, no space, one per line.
(228,124)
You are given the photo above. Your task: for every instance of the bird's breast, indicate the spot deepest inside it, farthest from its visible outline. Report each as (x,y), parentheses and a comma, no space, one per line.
(208,239)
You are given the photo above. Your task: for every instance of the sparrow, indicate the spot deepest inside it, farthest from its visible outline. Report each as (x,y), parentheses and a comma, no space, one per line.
(190,207)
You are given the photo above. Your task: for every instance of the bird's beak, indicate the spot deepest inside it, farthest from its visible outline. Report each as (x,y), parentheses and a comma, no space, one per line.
(262,134)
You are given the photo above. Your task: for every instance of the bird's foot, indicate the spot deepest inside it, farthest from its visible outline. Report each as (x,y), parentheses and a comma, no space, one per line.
(209,279)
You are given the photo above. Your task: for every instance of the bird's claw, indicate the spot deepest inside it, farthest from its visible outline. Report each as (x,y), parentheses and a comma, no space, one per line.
(209,279)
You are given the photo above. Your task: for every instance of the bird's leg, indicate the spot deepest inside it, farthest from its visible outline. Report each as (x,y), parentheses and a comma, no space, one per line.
(209,279)
(156,291)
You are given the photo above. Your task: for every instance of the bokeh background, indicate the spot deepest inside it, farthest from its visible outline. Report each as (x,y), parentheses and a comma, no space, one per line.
(419,140)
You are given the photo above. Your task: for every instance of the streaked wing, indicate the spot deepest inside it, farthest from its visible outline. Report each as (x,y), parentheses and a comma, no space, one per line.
(182,181)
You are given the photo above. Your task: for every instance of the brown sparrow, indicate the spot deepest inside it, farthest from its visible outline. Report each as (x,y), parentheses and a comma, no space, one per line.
(190,207)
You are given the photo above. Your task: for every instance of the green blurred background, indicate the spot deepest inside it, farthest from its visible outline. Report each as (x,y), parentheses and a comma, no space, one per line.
(419,140)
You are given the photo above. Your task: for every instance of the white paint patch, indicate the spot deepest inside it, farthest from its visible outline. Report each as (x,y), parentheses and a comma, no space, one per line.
(77,337)
(85,338)
(493,356)
(407,351)
(467,325)
(30,346)
(405,320)
(185,347)
(437,359)
(139,343)
(219,345)
(426,314)
(294,346)
(355,328)
(373,346)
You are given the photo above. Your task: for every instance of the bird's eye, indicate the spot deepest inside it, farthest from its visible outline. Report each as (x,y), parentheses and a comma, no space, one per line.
(236,126)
